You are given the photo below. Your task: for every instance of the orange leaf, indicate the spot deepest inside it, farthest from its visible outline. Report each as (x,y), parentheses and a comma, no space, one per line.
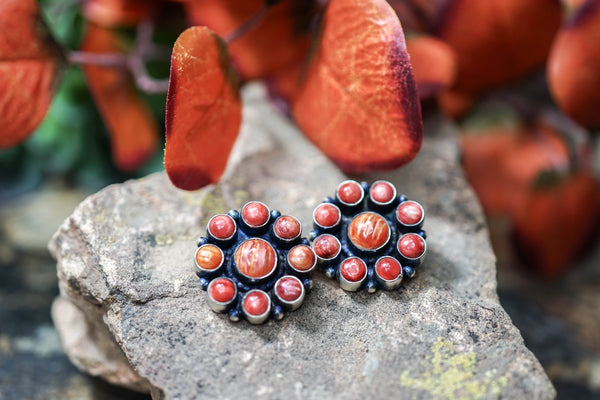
(498,41)
(502,163)
(133,129)
(434,64)
(455,104)
(203,109)
(554,224)
(29,64)
(277,40)
(110,13)
(359,101)
(574,66)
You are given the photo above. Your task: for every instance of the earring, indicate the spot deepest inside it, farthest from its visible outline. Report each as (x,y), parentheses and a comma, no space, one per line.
(369,236)
(254,264)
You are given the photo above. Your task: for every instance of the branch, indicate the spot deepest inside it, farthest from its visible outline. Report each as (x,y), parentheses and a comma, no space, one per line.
(133,62)
(142,47)
(143,80)
(112,60)
(246,26)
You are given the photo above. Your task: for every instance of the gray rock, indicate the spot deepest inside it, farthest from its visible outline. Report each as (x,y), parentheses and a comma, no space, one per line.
(29,222)
(125,261)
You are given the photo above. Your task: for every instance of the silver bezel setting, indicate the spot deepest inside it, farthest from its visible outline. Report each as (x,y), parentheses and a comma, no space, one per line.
(205,269)
(388,202)
(362,191)
(352,286)
(298,270)
(321,259)
(386,283)
(218,306)
(295,304)
(256,319)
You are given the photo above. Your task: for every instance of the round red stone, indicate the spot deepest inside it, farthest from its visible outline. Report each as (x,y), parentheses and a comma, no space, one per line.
(209,256)
(350,192)
(221,226)
(326,215)
(287,227)
(221,290)
(353,269)
(411,245)
(255,258)
(369,231)
(301,258)
(388,268)
(409,213)
(256,302)
(326,246)
(289,288)
(383,192)
(255,214)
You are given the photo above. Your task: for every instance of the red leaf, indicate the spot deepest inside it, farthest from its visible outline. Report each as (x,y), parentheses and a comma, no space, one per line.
(276,40)
(203,109)
(502,163)
(455,104)
(359,102)
(434,64)
(133,129)
(574,66)
(110,13)
(555,223)
(498,41)
(29,64)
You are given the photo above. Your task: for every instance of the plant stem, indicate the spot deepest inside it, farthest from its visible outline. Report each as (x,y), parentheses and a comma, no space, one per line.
(246,26)
(133,62)
(111,60)
(144,46)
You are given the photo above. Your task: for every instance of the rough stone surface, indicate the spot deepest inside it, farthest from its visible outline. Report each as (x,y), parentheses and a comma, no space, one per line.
(30,221)
(125,259)
(33,365)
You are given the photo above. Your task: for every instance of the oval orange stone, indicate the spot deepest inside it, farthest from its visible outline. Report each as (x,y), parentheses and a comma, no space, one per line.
(411,245)
(326,246)
(222,290)
(326,215)
(256,302)
(301,258)
(221,226)
(289,288)
(255,258)
(209,256)
(369,231)
(383,192)
(353,269)
(388,268)
(255,214)
(287,227)
(409,213)
(350,192)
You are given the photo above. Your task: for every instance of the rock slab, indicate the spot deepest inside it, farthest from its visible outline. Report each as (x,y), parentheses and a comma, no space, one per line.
(131,309)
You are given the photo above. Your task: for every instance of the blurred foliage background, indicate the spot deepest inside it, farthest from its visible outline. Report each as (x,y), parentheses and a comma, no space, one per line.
(72,144)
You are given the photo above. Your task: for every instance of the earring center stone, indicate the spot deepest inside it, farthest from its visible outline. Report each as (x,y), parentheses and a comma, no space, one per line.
(255,258)
(369,231)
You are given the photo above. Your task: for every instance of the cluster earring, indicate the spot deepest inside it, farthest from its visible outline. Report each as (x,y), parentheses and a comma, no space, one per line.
(255,264)
(368,236)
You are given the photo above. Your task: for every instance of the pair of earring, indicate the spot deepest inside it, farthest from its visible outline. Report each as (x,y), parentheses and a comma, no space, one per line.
(255,264)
